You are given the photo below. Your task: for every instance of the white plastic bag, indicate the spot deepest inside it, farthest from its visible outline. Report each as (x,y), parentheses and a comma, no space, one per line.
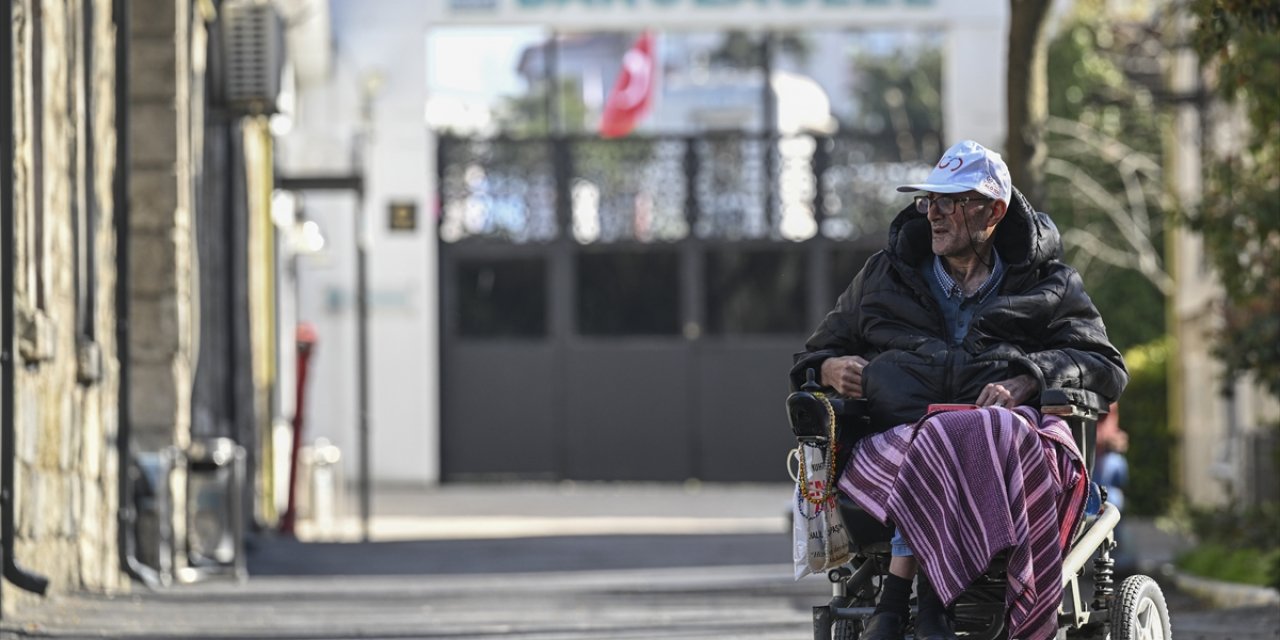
(820,541)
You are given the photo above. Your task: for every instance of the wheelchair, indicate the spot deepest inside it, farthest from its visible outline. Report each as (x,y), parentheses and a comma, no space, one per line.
(1134,609)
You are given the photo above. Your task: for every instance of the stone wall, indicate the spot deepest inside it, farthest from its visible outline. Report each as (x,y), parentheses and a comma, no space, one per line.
(167,44)
(66,378)
(69,366)
(160,193)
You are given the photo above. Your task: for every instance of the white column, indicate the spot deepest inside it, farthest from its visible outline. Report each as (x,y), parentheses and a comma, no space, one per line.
(403,365)
(973,82)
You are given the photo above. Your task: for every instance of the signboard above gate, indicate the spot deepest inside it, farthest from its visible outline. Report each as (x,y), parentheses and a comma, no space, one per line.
(630,15)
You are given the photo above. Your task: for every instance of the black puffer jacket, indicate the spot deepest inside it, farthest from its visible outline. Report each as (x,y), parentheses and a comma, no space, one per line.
(1040,322)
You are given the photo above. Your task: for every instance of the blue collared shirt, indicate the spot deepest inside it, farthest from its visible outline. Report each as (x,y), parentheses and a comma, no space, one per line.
(957,308)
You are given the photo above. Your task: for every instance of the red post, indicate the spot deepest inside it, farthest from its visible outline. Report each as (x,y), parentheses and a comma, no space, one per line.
(306,340)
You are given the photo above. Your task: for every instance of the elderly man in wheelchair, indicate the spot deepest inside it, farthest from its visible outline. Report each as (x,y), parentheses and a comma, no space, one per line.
(953,392)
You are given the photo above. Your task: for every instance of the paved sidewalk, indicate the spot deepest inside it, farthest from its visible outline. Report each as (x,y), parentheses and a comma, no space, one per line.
(540,561)
(1153,551)
(526,509)
(1147,547)
(573,561)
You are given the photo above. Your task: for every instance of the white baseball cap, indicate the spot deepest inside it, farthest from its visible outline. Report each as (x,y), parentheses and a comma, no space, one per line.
(968,166)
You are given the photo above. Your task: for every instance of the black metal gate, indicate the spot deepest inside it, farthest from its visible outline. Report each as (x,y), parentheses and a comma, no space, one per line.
(627,309)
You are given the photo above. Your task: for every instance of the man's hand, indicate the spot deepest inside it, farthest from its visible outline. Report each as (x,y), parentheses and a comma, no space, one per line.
(844,374)
(1006,393)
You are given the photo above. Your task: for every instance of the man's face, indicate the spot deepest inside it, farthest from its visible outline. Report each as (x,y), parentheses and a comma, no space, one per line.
(961,231)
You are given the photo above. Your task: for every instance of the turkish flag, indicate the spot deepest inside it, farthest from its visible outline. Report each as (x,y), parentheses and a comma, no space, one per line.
(631,95)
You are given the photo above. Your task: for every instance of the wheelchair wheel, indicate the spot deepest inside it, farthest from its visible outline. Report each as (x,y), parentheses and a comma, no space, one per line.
(846,630)
(1139,611)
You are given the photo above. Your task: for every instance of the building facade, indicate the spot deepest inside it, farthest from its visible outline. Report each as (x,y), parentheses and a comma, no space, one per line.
(389,46)
(1226,442)
(141,354)
(61,353)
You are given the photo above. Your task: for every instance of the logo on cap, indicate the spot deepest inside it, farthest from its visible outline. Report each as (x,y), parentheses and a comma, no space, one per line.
(948,160)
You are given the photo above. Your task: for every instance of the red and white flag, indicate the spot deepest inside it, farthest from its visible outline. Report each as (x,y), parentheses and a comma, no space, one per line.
(629,100)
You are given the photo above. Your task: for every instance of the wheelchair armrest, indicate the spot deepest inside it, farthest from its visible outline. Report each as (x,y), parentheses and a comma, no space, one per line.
(810,420)
(1072,402)
(1080,408)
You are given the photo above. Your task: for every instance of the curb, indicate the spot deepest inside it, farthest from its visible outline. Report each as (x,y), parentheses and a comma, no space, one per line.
(1224,595)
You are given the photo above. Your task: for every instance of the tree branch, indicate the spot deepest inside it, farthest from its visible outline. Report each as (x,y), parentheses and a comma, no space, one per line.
(1145,259)
(1109,148)
(1095,247)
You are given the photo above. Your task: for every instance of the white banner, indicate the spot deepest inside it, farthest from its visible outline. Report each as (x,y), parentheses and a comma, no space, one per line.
(632,15)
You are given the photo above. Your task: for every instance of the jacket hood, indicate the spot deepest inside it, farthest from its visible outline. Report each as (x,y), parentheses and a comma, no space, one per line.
(1025,239)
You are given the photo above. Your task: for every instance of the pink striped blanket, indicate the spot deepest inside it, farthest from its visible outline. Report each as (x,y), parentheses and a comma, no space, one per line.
(964,485)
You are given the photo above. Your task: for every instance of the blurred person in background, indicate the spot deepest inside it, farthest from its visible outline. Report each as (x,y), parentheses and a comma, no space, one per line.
(1111,472)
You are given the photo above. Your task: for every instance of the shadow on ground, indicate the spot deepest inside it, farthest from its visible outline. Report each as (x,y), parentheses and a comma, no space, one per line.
(282,556)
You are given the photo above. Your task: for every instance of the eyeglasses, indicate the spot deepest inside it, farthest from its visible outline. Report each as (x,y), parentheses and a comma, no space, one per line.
(946,204)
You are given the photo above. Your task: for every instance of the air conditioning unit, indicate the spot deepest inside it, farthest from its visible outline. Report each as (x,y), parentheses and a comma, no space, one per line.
(253,55)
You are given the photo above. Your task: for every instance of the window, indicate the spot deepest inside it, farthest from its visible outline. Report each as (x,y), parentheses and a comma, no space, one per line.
(636,293)
(756,291)
(502,298)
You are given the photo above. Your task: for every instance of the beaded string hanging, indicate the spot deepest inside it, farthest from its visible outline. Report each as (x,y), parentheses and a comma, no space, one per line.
(831,458)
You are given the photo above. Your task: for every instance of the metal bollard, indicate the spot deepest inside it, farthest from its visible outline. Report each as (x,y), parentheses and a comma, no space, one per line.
(324,488)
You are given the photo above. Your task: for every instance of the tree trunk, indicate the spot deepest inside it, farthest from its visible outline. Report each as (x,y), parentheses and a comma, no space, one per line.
(1027,97)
